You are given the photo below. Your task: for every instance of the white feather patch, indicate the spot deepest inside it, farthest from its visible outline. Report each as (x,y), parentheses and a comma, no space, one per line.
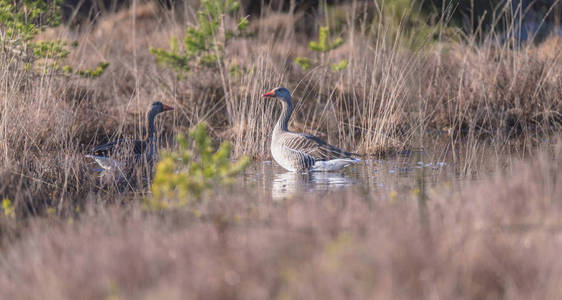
(333,165)
(106,162)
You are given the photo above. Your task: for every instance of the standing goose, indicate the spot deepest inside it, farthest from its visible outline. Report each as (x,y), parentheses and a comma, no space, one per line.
(301,152)
(131,149)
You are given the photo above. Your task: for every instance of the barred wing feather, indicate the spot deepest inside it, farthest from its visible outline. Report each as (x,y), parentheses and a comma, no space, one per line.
(314,146)
(110,148)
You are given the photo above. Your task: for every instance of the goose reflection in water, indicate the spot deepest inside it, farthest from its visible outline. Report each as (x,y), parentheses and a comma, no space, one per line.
(290,184)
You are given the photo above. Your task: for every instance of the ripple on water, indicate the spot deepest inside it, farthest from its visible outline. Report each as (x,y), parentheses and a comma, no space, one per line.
(373,174)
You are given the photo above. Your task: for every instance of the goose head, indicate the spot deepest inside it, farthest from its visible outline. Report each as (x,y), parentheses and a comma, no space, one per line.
(155,108)
(158,107)
(279,93)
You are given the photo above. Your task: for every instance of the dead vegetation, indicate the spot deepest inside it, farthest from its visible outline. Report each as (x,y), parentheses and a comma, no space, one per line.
(72,238)
(494,240)
(455,92)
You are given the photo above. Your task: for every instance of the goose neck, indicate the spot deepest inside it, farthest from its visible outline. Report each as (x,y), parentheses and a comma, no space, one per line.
(287,110)
(150,124)
(151,139)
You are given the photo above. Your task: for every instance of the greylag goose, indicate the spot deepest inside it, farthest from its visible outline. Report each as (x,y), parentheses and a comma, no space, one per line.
(301,152)
(131,149)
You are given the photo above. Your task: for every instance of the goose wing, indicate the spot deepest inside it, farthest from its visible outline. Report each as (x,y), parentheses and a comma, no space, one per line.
(314,147)
(107,149)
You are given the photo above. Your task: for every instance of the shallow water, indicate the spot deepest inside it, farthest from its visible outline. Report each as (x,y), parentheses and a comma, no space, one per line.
(389,175)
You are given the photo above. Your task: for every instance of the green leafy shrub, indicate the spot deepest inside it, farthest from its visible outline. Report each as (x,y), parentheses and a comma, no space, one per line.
(342,65)
(322,46)
(304,62)
(406,22)
(202,44)
(184,175)
(8,208)
(93,73)
(21,21)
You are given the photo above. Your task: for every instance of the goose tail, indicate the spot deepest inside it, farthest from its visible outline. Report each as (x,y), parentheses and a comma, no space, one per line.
(333,165)
(105,162)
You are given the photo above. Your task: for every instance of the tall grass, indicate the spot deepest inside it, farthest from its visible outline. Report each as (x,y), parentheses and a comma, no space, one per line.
(467,93)
(463,91)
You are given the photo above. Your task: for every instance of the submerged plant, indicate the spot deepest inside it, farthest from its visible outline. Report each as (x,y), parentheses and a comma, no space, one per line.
(184,175)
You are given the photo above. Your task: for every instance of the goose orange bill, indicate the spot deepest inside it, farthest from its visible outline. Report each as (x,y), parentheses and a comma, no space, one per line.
(269,94)
(166,107)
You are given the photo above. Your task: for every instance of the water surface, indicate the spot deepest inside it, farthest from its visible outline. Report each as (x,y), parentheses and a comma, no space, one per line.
(398,173)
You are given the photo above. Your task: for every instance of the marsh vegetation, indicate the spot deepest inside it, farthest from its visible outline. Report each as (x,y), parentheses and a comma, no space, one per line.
(458,194)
